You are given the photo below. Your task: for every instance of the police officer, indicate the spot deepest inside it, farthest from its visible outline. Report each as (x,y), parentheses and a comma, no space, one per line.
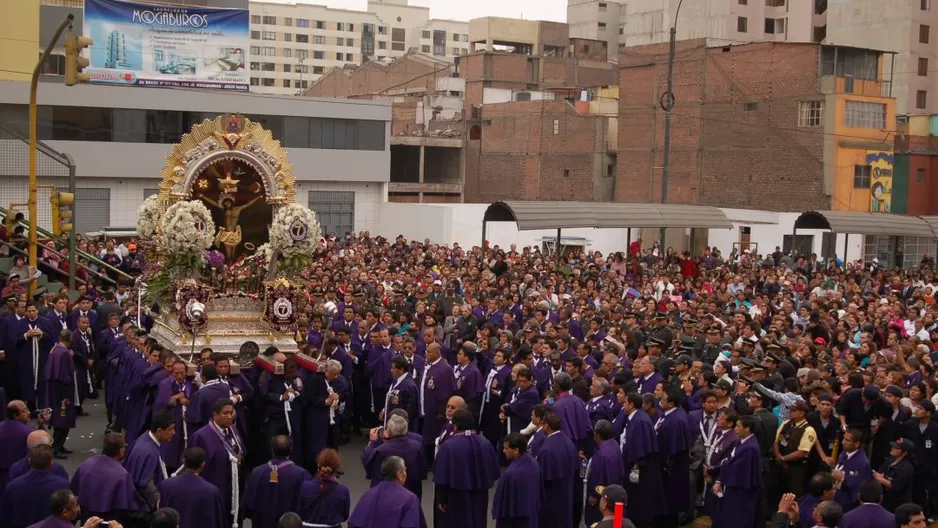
(609,497)
(793,445)
(661,330)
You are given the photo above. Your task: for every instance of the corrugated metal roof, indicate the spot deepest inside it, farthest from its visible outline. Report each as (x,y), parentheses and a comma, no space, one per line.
(862,223)
(932,222)
(604,215)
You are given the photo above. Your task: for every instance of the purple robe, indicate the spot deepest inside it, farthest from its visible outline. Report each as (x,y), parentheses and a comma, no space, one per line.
(22,466)
(31,357)
(325,502)
(466,467)
(722,448)
(172,451)
(143,463)
(640,450)
(520,403)
(741,477)
(560,469)
(388,505)
(265,501)
(601,408)
(536,442)
(61,393)
(199,411)
(104,489)
(674,442)
(26,499)
(517,501)
(136,409)
(406,448)
(857,470)
(604,468)
(647,385)
(240,385)
(199,503)
(403,395)
(13,447)
(53,522)
(436,387)
(575,422)
(495,384)
(218,470)
(867,515)
(470,385)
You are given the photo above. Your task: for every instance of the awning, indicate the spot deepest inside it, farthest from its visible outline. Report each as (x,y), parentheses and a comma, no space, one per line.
(604,215)
(862,223)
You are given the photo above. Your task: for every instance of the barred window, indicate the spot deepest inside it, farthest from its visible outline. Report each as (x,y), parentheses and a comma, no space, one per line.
(809,113)
(859,114)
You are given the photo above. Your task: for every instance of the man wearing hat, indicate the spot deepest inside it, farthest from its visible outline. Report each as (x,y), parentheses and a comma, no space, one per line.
(858,408)
(897,474)
(632,326)
(892,427)
(711,350)
(609,496)
(793,445)
(923,432)
(661,330)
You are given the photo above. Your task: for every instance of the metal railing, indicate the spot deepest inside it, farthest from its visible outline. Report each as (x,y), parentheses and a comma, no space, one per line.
(19,251)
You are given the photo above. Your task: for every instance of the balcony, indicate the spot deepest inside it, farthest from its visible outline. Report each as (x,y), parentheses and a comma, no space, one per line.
(855,86)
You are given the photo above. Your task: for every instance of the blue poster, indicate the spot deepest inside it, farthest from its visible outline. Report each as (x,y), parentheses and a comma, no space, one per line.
(167,45)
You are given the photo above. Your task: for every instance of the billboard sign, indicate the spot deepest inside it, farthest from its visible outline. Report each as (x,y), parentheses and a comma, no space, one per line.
(167,45)
(881,169)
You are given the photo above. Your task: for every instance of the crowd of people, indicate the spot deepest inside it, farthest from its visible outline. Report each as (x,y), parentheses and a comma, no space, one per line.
(746,389)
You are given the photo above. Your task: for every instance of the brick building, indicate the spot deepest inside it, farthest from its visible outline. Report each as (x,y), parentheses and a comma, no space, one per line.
(915,190)
(771,126)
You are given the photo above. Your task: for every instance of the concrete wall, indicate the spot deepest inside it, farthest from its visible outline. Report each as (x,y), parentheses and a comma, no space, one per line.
(19,26)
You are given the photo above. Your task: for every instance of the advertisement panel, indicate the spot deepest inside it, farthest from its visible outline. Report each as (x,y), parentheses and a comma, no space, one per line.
(167,45)
(881,168)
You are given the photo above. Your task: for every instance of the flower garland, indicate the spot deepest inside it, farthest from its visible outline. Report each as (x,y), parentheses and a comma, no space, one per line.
(294,233)
(148,216)
(188,228)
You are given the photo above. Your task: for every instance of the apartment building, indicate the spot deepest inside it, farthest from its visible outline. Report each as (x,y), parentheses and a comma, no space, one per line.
(598,20)
(293,44)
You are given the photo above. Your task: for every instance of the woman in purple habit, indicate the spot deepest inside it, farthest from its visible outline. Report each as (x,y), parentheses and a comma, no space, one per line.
(466,467)
(324,501)
(604,468)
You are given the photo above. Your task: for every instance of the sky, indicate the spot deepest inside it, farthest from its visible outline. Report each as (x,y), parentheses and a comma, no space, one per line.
(555,10)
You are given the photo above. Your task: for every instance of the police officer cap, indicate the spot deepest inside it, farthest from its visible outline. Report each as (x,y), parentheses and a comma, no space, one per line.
(895,391)
(689,322)
(800,405)
(655,341)
(714,330)
(661,315)
(928,406)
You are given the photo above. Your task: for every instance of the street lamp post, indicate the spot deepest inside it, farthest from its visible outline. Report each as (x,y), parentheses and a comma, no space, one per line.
(667,103)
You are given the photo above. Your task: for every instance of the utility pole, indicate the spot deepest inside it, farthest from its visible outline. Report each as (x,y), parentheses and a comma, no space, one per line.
(667,103)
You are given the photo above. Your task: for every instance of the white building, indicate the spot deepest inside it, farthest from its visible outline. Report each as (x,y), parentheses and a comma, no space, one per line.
(292,44)
(119,138)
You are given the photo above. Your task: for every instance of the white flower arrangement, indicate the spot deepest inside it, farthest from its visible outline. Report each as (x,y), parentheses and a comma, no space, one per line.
(188,228)
(294,232)
(148,217)
(265,251)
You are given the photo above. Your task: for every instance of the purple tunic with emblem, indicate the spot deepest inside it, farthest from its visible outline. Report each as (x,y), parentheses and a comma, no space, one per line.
(520,403)
(172,450)
(517,501)
(857,470)
(466,468)
(388,505)
(470,386)
(218,468)
(408,449)
(60,387)
(143,462)
(198,502)
(265,501)
(492,400)
(640,450)
(436,387)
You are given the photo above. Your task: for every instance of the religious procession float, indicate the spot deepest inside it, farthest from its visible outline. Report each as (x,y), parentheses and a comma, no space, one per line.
(227,241)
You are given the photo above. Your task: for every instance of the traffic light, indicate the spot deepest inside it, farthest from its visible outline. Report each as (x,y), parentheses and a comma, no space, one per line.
(62,204)
(74,62)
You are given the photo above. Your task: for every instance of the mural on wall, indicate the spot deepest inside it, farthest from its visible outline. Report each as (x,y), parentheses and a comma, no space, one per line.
(881,169)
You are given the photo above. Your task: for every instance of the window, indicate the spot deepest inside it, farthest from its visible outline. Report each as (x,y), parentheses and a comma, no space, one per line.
(743,2)
(465,37)
(425,48)
(269,35)
(397,46)
(287,37)
(255,19)
(350,57)
(464,51)
(926,5)
(269,51)
(921,99)
(750,107)
(317,39)
(270,20)
(304,39)
(255,66)
(809,113)
(350,42)
(320,24)
(556,127)
(302,54)
(287,52)
(286,83)
(601,26)
(302,23)
(920,176)
(775,3)
(859,114)
(923,31)
(255,35)
(742,24)
(621,32)
(255,81)
(340,41)
(255,50)
(339,56)
(318,70)
(286,67)
(287,21)
(319,55)
(268,66)
(382,44)
(602,7)
(339,26)
(455,37)
(267,82)
(455,51)
(301,68)
(382,30)
(861,176)
(775,26)
(351,27)
(335,210)
(922,67)
(425,34)
(398,35)
(303,84)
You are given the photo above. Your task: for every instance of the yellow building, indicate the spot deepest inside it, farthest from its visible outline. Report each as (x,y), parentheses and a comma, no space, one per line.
(860,130)
(19,33)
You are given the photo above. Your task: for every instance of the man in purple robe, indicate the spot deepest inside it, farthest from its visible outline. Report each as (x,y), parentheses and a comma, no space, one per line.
(35,338)
(560,469)
(241,390)
(674,443)
(61,392)
(469,382)
(198,502)
(852,470)
(466,468)
(604,468)
(516,411)
(136,408)
(175,394)
(211,389)
(63,506)
(26,499)
(273,488)
(104,488)
(395,443)
(21,467)
(224,454)
(740,482)
(403,391)
(641,462)
(389,504)
(318,416)
(870,511)
(13,433)
(145,462)
(572,411)
(517,501)
(436,386)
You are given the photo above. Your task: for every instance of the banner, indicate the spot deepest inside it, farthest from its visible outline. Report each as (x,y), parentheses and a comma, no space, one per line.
(167,45)
(881,167)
